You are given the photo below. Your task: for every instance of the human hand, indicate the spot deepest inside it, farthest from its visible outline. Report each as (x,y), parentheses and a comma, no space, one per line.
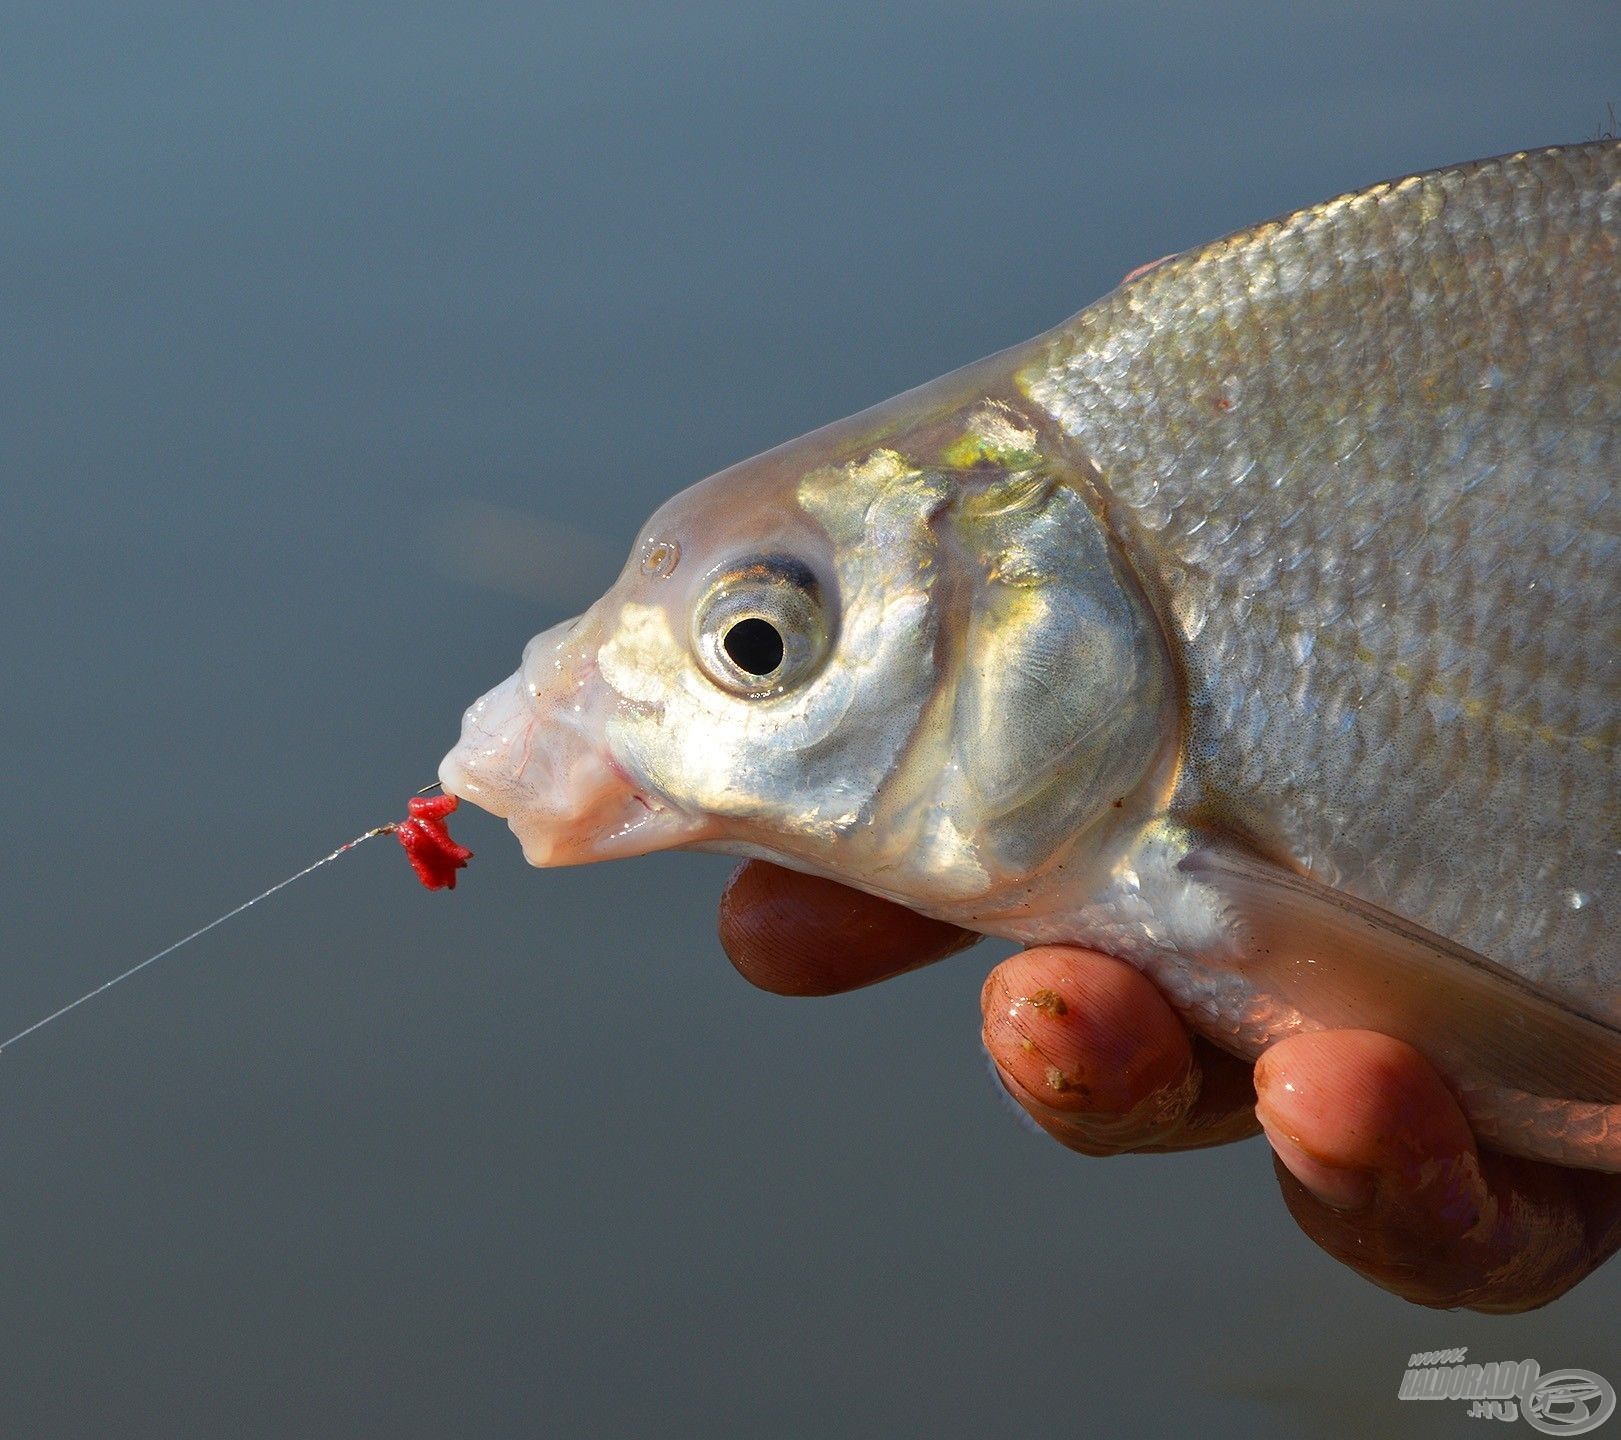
(1376,1161)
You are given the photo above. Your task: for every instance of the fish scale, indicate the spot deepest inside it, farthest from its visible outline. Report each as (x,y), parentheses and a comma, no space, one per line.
(1384,604)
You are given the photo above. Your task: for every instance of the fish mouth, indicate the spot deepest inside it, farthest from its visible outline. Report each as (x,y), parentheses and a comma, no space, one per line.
(534,752)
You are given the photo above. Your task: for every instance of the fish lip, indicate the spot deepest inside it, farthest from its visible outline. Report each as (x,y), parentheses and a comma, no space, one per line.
(481,767)
(534,751)
(456,779)
(621,824)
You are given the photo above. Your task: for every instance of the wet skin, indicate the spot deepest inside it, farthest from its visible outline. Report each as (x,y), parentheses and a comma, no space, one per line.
(1375,1159)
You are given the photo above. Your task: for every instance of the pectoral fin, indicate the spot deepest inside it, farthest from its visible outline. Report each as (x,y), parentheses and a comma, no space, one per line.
(1344,963)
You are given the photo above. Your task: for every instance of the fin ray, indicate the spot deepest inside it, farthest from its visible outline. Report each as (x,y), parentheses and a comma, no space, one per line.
(1345,963)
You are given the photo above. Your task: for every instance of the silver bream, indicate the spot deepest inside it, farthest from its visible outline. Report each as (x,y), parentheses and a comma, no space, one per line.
(1257,625)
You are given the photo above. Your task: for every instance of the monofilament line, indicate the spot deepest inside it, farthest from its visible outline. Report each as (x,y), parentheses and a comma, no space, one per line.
(170,949)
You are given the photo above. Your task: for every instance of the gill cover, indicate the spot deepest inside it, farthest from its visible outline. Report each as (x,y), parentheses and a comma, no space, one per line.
(1065,707)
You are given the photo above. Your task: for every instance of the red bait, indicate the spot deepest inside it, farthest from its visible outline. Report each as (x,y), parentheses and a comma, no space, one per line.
(433,854)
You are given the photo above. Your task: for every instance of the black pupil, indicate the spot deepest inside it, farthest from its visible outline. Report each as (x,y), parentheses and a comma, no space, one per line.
(755,646)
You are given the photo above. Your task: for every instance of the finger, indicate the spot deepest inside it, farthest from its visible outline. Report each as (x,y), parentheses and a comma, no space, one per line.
(1379,1167)
(797,934)
(1101,1061)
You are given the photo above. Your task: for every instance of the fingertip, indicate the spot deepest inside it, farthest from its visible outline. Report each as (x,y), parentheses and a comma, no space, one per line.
(1075,1031)
(795,934)
(1358,1098)
(1435,1220)
(1356,1116)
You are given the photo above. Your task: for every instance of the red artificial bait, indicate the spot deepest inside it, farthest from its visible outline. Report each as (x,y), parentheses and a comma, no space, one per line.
(433,854)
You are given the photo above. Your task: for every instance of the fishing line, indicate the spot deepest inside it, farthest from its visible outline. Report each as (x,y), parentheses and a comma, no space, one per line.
(394,827)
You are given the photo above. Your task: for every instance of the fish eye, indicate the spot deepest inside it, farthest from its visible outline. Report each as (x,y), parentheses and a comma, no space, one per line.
(761,628)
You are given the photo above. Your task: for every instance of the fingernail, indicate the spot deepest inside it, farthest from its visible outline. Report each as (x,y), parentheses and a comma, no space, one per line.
(1335,1185)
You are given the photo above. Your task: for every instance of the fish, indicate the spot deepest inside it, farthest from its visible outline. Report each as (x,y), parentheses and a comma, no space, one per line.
(1257,625)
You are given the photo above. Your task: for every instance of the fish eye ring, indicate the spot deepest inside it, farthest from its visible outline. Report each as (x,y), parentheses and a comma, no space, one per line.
(761,628)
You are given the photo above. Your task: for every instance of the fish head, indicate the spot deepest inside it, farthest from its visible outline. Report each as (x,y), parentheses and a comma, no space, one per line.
(901,652)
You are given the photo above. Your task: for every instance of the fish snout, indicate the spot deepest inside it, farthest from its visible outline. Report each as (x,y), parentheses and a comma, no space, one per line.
(488,763)
(534,752)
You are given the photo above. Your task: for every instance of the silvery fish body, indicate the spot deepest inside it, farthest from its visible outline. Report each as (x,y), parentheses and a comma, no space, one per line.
(1258,625)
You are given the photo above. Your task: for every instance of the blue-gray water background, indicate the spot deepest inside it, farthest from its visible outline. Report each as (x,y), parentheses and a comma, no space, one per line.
(342,348)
